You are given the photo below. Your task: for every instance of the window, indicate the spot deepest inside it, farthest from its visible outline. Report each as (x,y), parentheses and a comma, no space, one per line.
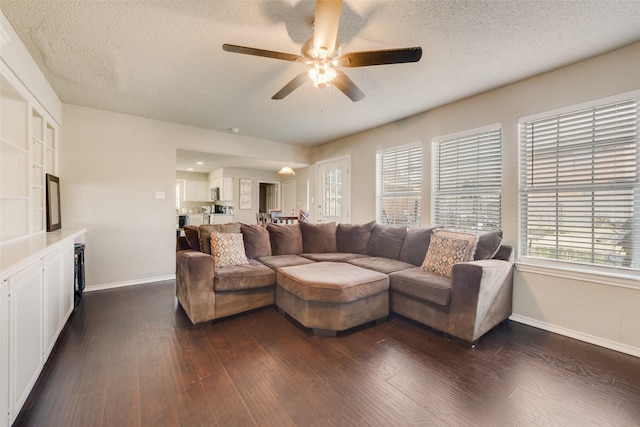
(398,185)
(579,191)
(467,180)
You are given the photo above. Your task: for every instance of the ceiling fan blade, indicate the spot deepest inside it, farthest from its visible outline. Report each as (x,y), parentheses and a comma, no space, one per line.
(261,52)
(291,86)
(347,86)
(380,57)
(325,26)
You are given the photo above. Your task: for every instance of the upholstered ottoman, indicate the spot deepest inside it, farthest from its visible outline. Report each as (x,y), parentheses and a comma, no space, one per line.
(332,296)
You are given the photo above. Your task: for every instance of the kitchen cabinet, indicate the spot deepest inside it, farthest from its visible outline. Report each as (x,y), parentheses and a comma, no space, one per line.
(225,185)
(221,219)
(196,191)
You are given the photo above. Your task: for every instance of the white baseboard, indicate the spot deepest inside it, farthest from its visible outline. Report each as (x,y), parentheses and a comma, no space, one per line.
(591,339)
(129,283)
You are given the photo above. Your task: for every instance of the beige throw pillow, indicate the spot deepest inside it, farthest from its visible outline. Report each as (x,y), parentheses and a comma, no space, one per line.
(228,250)
(446,249)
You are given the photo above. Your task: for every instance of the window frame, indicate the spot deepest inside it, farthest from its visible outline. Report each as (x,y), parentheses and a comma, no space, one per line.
(494,190)
(417,194)
(598,273)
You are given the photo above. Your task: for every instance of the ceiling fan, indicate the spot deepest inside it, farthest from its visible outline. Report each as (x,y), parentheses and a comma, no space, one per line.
(324,55)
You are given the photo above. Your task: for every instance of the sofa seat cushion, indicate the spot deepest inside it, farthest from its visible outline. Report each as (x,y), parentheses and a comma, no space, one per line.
(332,282)
(250,276)
(422,285)
(332,257)
(380,264)
(275,262)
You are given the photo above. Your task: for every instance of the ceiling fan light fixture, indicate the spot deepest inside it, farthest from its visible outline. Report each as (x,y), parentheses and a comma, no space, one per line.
(286,170)
(322,74)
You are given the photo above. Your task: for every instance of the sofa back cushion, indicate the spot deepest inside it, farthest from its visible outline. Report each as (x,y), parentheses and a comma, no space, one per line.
(256,241)
(415,245)
(354,239)
(205,230)
(318,238)
(488,245)
(386,241)
(192,235)
(286,239)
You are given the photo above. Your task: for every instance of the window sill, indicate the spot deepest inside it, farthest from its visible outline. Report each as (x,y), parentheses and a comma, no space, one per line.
(621,279)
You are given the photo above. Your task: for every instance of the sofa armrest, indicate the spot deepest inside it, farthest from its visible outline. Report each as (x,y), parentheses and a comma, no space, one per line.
(194,284)
(481,297)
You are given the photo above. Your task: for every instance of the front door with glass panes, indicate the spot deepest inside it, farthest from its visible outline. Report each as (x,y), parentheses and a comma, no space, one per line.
(333,191)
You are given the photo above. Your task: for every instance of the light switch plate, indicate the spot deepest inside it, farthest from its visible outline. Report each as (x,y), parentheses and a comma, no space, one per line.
(159,195)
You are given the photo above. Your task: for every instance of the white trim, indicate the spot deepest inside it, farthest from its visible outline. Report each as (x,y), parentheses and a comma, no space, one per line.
(577,107)
(467,132)
(126,283)
(413,144)
(591,339)
(581,273)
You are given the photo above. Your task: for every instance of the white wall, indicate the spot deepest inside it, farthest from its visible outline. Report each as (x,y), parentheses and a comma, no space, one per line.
(589,310)
(111,166)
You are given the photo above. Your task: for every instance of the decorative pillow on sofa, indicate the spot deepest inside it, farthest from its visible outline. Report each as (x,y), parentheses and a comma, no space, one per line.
(353,239)
(205,230)
(488,245)
(227,250)
(256,241)
(386,241)
(318,238)
(446,249)
(192,236)
(286,239)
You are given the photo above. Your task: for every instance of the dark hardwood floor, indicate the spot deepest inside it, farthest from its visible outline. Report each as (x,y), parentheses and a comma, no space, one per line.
(131,357)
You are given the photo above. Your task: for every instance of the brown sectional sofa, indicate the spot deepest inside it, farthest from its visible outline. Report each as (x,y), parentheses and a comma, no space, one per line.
(473,300)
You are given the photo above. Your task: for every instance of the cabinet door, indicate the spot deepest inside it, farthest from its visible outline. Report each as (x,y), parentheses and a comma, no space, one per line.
(52,278)
(226,189)
(25,334)
(67,284)
(4,354)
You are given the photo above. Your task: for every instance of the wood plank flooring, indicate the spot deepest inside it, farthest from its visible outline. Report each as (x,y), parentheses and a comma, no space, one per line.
(130,357)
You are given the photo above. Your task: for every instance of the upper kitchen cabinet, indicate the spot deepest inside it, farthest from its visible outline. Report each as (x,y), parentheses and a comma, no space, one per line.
(196,191)
(225,188)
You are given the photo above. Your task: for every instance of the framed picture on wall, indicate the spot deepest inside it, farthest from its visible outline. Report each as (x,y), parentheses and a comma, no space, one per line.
(53,203)
(245,194)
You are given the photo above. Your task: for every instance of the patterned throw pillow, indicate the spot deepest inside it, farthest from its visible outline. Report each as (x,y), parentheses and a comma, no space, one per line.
(227,250)
(446,249)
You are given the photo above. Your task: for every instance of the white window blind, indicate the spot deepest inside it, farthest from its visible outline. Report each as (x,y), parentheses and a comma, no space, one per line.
(399,182)
(579,187)
(467,180)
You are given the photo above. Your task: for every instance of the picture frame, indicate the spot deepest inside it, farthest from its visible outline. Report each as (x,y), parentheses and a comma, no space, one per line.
(245,194)
(54,221)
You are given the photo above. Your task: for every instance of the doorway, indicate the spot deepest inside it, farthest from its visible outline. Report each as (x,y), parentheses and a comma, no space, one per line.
(269,196)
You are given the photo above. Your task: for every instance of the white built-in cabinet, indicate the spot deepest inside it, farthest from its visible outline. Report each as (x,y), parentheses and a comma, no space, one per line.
(196,191)
(4,355)
(36,300)
(225,186)
(28,151)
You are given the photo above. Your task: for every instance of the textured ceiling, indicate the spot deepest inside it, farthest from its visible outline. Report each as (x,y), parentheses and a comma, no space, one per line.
(163,59)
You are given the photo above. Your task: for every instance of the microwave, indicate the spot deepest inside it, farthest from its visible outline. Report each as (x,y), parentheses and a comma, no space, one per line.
(215,194)
(221,209)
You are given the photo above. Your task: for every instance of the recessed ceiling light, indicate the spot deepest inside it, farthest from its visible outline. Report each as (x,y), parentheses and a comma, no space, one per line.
(234,130)
(190,169)
(199,163)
